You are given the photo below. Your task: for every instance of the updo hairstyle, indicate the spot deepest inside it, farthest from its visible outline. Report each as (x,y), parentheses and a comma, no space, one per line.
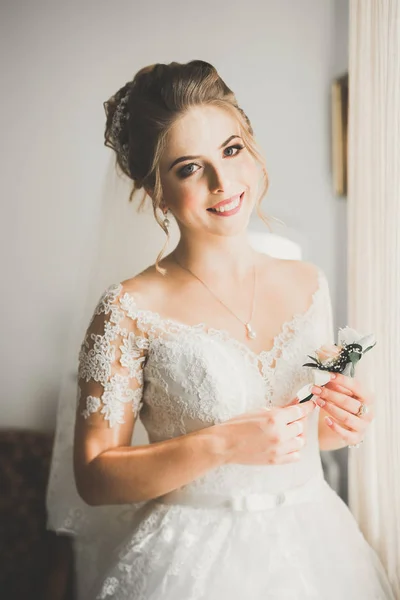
(142,112)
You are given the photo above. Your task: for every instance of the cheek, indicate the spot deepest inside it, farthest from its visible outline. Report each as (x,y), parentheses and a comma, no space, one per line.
(248,169)
(187,199)
(183,199)
(253,169)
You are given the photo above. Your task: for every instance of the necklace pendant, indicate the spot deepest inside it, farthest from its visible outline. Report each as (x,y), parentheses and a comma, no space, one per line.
(250,331)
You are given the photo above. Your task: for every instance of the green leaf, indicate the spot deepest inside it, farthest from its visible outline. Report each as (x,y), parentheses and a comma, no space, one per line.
(369,348)
(312,358)
(306,399)
(354,357)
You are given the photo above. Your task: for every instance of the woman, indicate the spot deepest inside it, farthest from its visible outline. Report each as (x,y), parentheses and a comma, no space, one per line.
(207,346)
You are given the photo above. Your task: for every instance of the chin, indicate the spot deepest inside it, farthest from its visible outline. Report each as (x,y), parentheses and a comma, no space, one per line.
(233,229)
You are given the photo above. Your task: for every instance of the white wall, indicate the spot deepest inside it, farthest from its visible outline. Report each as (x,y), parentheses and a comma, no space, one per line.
(60,62)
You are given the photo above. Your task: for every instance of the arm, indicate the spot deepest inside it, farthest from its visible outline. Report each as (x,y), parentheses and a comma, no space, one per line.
(126,474)
(108,470)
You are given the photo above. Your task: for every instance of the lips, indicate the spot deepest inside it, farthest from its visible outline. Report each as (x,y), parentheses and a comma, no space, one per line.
(227,208)
(228,201)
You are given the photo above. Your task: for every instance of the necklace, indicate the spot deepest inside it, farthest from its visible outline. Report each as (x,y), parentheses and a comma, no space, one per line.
(249,329)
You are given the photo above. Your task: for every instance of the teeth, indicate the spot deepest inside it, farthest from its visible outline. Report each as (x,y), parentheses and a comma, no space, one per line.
(226,207)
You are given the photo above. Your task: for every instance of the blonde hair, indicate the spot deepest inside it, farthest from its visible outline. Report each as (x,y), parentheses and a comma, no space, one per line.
(148,106)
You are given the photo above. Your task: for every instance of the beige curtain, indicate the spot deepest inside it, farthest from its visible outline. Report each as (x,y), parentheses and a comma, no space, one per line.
(374,266)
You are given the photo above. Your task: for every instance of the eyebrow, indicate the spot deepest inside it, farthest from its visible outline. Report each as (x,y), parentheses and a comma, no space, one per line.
(182,158)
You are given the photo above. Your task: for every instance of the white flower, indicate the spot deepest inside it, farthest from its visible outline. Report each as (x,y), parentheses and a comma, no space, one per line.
(347,336)
(318,378)
(368,341)
(327,352)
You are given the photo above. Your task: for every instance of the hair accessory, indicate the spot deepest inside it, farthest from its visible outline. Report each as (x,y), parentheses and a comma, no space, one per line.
(119,120)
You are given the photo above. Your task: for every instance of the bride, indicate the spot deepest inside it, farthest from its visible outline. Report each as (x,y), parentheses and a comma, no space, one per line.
(228,500)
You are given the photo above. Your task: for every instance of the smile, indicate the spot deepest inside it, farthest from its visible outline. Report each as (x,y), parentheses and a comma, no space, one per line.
(230,208)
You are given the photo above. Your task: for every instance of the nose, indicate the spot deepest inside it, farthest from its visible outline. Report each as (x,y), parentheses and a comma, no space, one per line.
(218,180)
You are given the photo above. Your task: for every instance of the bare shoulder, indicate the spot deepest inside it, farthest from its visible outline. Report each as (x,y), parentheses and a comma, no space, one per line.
(144,284)
(296,280)
(300,274)
(305,274)
(304,282)
(150,287)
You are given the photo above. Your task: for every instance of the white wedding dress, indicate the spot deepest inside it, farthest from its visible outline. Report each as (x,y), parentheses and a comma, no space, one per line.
(274,532)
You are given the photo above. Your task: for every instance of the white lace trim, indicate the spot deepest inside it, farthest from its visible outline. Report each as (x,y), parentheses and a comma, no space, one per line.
(153,323)
(97,362)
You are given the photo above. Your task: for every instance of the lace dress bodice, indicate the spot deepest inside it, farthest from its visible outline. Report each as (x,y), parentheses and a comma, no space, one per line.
(181,378)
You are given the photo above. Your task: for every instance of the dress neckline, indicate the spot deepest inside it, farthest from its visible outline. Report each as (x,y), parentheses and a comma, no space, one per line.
(147,316)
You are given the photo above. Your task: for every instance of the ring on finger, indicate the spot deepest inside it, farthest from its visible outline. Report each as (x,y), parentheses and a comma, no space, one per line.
(362,410)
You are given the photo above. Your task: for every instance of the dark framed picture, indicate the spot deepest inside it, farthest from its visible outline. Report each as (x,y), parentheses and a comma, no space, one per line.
(340,111)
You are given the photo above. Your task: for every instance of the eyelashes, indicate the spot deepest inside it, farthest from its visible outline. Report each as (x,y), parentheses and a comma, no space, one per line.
(236,147)
(184,173)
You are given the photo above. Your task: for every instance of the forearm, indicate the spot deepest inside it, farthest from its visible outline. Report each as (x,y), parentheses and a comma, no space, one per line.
(128,474)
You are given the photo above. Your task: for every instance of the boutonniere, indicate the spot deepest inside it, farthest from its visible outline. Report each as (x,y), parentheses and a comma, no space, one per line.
(336,358)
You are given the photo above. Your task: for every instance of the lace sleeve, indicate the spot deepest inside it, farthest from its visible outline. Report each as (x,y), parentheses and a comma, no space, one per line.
(111,359)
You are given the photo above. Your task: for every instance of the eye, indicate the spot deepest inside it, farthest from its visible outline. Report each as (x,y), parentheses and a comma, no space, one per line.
(184,172)
(237,147)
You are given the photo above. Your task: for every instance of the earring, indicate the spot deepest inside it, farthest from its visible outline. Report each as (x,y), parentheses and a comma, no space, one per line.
(166,220)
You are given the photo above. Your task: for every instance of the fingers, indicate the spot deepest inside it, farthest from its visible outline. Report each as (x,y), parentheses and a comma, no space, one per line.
(289,451)
(294,401)
(293,413)
(342,400)
(294,445)
(350,437)
(288,441)
(339,396)
(348,419)
(353,385)
(294,429)
(339,388)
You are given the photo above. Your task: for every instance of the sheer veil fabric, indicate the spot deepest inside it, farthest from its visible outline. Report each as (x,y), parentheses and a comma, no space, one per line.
(117,242)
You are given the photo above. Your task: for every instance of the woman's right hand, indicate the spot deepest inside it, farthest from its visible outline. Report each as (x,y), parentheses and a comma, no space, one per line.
(267,436)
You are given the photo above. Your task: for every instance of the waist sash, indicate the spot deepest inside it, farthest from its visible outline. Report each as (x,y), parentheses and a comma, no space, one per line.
(310,491)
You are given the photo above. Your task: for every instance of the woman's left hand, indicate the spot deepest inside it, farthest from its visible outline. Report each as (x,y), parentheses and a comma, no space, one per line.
(341,398)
